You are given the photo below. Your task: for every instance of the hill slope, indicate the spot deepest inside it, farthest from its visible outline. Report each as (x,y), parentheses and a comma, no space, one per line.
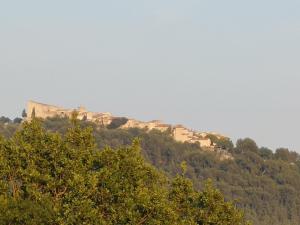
(64,179)
(265,184)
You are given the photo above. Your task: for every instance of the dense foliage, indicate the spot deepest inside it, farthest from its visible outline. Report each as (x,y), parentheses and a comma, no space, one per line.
(63,178)
(266,184)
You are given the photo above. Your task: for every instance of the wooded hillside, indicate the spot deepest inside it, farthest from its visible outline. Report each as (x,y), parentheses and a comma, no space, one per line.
(265,184)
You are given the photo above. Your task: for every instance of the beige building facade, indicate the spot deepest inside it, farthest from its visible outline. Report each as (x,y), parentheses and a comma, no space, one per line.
(178,132)
(183,134)
(44,111)
(155,124)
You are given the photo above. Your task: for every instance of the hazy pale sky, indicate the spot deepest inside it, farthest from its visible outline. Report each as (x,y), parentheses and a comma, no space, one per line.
(226,66)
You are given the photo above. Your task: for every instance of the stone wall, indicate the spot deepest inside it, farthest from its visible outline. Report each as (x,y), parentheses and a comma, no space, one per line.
(44,111)
(155,124)
(179,132)
(183,134)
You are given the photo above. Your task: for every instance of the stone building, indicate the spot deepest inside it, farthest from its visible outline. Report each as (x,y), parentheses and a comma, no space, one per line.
(178,132)
(155,124)
(44,111)
(183,134)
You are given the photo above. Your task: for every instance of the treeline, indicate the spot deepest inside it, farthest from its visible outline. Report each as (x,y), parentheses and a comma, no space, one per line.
(265,184)
(63,178)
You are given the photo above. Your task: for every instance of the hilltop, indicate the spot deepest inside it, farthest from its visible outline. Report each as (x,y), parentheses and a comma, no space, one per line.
(206,140)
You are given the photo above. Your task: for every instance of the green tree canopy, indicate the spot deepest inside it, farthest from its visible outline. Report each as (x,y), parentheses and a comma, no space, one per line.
(24,114)
(49,178)
(246,144)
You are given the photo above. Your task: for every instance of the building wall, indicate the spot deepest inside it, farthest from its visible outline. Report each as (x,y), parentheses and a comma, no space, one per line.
(43,111)
(205,142)
(182,134)
(131,123)
(179,132)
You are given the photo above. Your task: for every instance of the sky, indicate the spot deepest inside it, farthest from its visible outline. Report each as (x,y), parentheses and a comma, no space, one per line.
(227,66)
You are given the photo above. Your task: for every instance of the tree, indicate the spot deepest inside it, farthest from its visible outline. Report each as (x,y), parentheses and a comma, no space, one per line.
(221,142)
(265,153)
(117,122)
(286,155)
(24,114)
(247,144)
(17,120)
(4,119)
(33,113)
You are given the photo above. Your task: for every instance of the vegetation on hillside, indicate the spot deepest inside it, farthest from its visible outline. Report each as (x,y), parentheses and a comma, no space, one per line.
(265,184)
(63,178)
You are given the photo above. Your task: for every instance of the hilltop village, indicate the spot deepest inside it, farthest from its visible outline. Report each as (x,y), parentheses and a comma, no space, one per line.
(178,132)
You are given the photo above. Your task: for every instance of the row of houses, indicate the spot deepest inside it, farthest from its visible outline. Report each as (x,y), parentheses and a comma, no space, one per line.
(178,132)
